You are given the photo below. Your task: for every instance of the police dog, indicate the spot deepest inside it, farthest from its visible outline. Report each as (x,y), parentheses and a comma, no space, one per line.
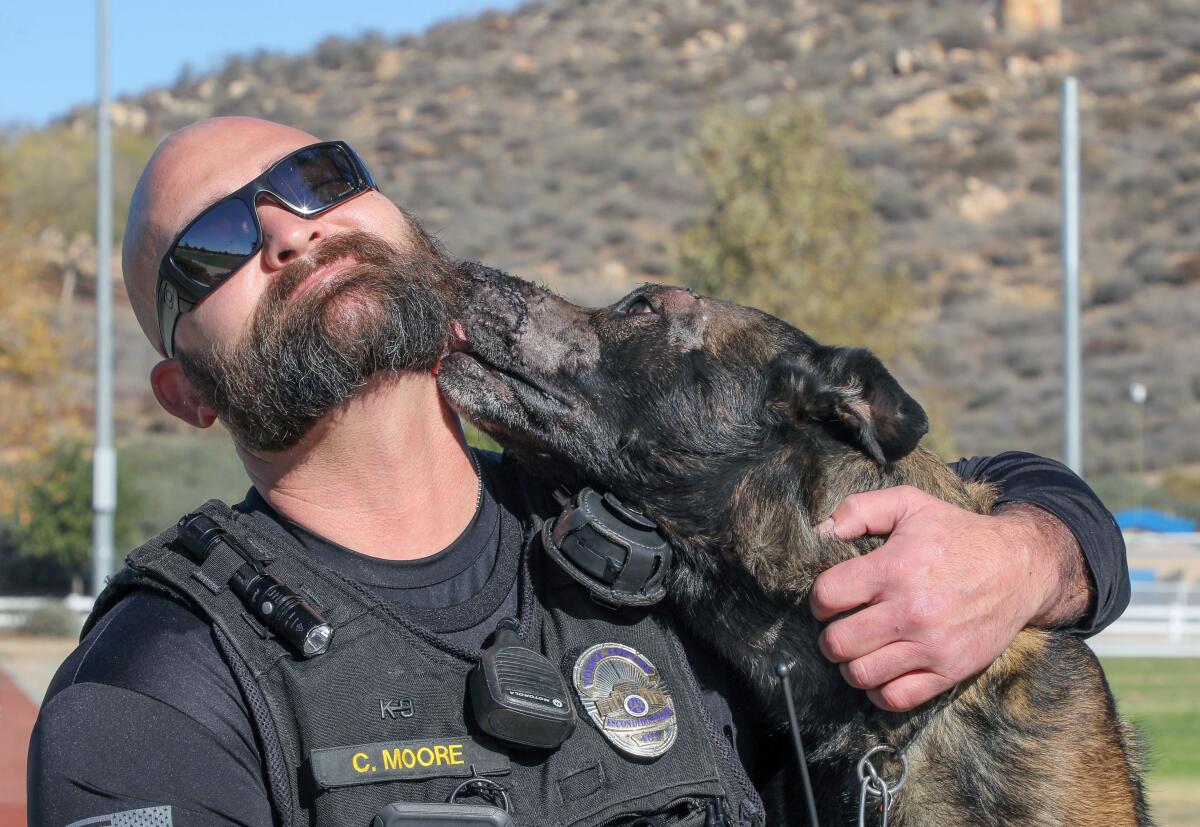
(738,433)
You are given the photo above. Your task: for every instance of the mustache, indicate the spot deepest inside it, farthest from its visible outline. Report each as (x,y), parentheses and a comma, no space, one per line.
(362,247)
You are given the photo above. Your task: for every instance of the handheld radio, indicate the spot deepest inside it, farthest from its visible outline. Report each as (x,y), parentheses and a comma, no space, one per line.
(517,694)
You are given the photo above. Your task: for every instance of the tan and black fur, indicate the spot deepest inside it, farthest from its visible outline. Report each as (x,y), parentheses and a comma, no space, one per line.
(739,434)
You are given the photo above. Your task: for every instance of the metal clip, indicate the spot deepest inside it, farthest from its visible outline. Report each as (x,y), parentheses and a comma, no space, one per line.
(484,788)
(870,781)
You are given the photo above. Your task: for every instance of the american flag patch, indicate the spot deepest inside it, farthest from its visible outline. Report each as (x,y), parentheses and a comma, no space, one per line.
(148,817)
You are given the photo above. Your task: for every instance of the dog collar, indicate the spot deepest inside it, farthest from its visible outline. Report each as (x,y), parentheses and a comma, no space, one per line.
(611,550)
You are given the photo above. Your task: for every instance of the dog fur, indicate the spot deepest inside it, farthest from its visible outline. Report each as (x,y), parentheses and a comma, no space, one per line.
(738,433)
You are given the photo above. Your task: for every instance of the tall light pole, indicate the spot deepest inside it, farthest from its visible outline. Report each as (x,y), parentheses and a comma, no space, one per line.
(1072,360)
(1138,395)
(104,458)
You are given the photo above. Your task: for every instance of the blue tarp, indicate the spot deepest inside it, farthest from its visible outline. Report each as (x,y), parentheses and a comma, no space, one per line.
(1142,575)
(1147,519)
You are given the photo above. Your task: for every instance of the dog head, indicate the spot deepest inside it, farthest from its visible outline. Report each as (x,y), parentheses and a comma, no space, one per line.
(666,397)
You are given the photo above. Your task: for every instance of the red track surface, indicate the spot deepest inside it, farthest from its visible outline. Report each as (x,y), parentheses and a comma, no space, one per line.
(17,714)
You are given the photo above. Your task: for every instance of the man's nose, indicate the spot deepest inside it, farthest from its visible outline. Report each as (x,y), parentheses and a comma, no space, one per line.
(286,236)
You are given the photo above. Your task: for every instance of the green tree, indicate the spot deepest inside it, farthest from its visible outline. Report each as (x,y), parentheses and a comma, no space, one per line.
(39,404)
(790,229)
(52,177)
(56,517)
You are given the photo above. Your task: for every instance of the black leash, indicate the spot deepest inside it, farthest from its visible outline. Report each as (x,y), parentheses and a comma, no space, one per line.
(784,670)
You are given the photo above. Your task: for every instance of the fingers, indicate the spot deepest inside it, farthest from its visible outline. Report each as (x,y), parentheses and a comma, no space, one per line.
(861,633)
(942,596)
(873,512)
(847,586)
(859,581)
(874,670)
(909,691)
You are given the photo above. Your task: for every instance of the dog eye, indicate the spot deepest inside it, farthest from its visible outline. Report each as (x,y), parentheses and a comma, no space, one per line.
(639,306)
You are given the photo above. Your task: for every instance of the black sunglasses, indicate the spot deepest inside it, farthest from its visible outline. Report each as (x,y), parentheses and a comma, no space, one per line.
(225,236)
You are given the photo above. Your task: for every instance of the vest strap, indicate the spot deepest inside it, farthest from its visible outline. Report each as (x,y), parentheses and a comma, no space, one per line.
(219,568)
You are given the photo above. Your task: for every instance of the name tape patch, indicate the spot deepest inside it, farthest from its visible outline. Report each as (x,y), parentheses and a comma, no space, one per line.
(405,761)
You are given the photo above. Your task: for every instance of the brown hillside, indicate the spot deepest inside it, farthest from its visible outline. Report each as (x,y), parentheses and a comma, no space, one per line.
(549,142)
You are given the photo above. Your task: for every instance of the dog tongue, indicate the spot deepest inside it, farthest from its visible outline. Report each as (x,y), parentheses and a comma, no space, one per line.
(458,342)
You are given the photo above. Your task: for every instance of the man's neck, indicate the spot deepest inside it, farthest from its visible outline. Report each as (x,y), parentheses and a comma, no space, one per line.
(387,474)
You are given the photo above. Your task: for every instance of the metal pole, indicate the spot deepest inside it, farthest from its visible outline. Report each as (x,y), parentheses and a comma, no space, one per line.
(104,458)
(1072,361)
(1141,458)
(1138,393)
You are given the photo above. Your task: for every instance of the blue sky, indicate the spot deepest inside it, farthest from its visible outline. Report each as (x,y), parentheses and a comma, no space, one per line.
(48,47)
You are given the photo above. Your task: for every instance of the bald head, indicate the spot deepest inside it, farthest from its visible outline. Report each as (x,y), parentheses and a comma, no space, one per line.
(191,169)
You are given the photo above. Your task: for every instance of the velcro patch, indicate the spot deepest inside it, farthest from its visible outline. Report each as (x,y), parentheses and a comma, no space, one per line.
(405,761)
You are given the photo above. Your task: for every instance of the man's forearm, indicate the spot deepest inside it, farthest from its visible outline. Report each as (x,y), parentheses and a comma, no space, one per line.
(1049,485)
(1056,558)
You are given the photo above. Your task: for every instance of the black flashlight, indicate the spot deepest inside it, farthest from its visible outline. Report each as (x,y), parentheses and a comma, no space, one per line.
(282,610)
(275,604)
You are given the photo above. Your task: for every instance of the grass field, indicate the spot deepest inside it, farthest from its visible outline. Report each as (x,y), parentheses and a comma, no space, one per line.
(1162,697)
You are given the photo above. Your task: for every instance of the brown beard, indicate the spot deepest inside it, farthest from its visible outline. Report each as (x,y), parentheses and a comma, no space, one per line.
(305,355)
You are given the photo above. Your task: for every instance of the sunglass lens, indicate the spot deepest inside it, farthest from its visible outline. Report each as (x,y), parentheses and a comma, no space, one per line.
(217,243)
(314,179)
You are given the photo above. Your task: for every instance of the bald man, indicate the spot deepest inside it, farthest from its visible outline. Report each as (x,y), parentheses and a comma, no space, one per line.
(307,312)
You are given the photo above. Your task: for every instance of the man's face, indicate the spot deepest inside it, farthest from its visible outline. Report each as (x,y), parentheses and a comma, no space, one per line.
(324,305)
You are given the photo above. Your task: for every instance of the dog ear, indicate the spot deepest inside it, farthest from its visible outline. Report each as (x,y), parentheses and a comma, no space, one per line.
(849,390)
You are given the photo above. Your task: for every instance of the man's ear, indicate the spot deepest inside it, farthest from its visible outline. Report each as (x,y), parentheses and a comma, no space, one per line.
(178,396)
(851,392)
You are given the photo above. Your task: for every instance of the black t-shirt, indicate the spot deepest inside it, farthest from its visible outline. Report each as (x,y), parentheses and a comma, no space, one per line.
(447,592)
(146,712)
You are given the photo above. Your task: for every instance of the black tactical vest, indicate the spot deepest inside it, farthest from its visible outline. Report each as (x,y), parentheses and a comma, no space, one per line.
(382,716)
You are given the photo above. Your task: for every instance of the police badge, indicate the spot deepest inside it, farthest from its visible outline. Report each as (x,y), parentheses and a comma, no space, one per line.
(627,699)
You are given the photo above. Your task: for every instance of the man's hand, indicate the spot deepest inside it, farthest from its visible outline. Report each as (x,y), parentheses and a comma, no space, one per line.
(945,595)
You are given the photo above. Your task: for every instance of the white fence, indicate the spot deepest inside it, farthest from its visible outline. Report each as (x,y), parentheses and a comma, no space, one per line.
(14,611)
(1163,620)
(1149,542)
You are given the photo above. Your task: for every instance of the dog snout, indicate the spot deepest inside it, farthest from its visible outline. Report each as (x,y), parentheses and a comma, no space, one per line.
(514,322)
(493,308)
